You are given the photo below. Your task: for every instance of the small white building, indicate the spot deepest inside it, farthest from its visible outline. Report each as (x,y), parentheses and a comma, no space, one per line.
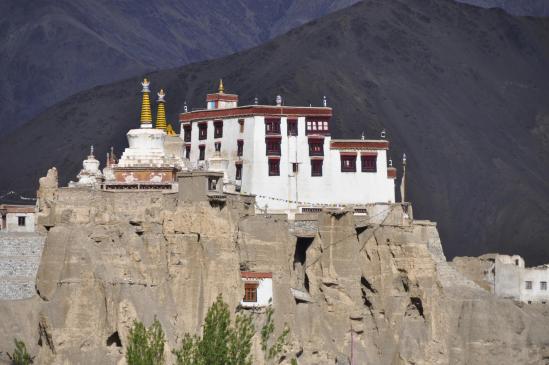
(285,155)
(258,289)
(17,218)
(513,280)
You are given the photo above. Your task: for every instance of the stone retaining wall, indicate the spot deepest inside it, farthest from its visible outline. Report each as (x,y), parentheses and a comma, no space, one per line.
(19,259)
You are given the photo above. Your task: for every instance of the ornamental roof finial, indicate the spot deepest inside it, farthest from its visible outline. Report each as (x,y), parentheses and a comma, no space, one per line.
(91,152)
(145,84)
(221,88)
(146,116)
(161,112)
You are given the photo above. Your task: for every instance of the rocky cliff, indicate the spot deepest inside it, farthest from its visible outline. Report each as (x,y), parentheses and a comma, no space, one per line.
(376,289)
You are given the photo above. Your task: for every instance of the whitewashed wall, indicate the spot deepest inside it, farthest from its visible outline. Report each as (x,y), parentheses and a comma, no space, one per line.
(12,222)
(264,293)
(333,187)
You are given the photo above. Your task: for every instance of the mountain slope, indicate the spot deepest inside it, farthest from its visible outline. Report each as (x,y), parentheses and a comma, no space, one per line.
(516,7)
(51,50)
(462,90)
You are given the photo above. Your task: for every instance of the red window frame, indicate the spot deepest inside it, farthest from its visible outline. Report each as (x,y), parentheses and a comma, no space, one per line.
(368,163)
(218,129)
(238,174)
(272,146)
(203,131)
(240,147)
(316,167)
(250,292)
(187,133)
(274,167)
(272,126)
(348,163)
(292,127)
(317,126)
(316,147)
(201,152)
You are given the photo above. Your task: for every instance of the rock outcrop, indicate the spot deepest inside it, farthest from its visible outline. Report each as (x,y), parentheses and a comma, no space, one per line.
(372,290)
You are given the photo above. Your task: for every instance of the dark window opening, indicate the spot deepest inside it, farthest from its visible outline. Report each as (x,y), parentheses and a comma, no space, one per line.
(366,288)
(294,167)
(202,153)
(240,147)
(202,131)
(250,292)
(114,339)
(187,151)
(292,127)
(218,129)
(187,133)
(348,163)
(273,147)
(241,125)
(217,146)
(238,175)
(369,163)
(272,126)
(516,262)
(416,302)
(21,221)
(543,285)
(274,167)
(528,285)
(316,148)
(316,167)
(300,257)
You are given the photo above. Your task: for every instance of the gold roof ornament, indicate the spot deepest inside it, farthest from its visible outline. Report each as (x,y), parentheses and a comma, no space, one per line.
(146,115)
(170,131)
(161,111)
(221,88)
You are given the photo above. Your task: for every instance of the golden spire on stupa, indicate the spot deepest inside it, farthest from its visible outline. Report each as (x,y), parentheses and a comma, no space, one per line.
(146,116)
(161,112)
(221,88)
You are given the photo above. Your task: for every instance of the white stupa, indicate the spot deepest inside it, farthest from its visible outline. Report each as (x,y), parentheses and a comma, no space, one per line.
(146,144)
(90,175)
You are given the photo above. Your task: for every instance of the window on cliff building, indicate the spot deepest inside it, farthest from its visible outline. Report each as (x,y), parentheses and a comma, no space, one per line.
(348,163)
(238,174)
(543,285)
(202,153)
(250,292)
(274,167)
(188,151)
(292,127)
(241,125)
(316,167)
(21,221)
(529,285)
(187,133)
(218,129)
(369,163)
(203,131)
(240,147)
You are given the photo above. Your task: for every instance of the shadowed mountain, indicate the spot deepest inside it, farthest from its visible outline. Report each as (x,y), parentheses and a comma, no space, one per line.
(515,7)
(53,49)
(464,91)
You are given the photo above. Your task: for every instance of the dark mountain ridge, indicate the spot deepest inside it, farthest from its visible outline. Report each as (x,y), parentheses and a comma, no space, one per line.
(53,49)
(462,90)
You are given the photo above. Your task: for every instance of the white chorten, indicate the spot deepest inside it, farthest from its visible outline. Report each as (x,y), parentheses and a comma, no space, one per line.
(90,175)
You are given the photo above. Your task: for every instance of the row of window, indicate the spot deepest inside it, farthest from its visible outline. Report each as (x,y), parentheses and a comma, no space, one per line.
(272,127)
(542,285)
(217,145)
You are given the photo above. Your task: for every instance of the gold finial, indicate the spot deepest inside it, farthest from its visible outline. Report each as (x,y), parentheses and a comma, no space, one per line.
(170,131)
(221,88)
(161,112)
(146,117)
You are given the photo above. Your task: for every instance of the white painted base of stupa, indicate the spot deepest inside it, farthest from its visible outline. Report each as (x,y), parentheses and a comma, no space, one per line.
(146,149)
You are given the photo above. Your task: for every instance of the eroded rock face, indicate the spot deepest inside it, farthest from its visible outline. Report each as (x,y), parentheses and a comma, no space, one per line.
(376,293)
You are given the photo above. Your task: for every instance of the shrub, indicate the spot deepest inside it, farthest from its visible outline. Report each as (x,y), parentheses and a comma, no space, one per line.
(145,345)
(20,356)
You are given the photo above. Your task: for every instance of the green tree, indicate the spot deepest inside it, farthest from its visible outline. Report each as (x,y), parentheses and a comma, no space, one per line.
(20,356)
(272,349)
(223,343)
(145,345)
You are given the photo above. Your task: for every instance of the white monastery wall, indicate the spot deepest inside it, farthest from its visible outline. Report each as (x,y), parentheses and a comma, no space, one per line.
(280,192)
(12,222)
(264,293)
(514,280)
